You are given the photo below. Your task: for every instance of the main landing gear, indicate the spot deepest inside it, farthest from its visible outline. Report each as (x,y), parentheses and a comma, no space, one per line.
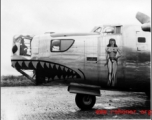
(85,102)
(85,94)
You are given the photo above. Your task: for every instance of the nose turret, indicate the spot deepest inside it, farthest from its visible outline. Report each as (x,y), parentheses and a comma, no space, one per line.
(22,45)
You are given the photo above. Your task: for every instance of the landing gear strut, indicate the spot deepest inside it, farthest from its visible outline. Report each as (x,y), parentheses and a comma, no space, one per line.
(85,102)
(40,78)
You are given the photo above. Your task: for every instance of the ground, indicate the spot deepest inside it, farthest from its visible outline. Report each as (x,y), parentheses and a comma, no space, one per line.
(55,102)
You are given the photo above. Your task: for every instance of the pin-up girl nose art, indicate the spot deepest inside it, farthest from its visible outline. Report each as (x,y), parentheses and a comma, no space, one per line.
(111,62)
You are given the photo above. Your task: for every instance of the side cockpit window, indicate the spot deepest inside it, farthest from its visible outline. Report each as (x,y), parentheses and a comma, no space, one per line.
(141,40)
(61,45)
(118,30)
(98,30)
(112,30)
(56,45)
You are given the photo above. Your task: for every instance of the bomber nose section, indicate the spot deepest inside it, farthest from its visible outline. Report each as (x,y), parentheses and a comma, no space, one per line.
(22,45)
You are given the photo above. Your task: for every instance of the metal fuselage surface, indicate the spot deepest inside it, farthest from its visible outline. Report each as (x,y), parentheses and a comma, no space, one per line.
(85,57)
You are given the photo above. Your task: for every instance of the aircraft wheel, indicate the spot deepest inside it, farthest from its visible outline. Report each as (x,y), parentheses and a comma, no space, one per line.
(85,102)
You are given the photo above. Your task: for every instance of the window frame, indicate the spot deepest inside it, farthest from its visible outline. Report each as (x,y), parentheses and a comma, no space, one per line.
(30,47)
(119,31)
(96,30)
(115,29)
(141,42)
(60,45)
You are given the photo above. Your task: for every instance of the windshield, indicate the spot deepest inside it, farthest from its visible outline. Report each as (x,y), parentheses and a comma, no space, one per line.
(97,29)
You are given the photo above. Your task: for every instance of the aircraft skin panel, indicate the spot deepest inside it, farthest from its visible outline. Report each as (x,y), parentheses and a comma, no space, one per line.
(67,57)
(72,34)
(136,62)
(91,72)
(86,58)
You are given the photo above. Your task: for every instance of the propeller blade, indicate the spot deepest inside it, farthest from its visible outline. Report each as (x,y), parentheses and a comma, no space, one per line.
(142,18)
(145,20)
(146,27)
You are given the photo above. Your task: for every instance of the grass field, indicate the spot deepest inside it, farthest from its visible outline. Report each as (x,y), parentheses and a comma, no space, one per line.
(11,80)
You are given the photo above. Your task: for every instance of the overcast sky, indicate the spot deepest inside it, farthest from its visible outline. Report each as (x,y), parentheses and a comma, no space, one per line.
(40,16)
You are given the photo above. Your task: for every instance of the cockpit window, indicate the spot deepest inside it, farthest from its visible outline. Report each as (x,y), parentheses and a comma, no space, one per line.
(61,45)
(112,30)
(98,30)
(118,30)
(56,45)
(141,39)
(109,30)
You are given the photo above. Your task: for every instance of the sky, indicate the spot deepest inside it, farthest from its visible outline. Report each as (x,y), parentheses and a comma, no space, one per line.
(40,16)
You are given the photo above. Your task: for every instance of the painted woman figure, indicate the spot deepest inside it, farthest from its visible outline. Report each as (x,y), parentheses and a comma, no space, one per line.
(111,61)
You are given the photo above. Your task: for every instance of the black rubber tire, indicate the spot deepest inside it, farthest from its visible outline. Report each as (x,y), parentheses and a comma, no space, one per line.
(85,102)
